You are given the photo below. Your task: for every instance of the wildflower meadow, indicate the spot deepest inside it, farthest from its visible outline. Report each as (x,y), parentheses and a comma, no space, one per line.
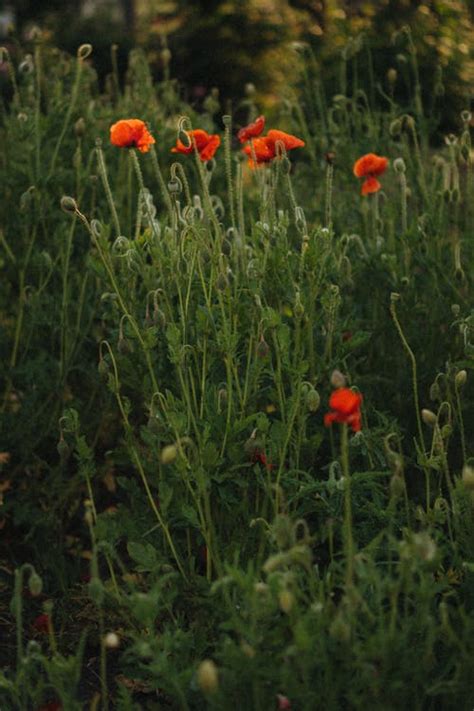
(236,390)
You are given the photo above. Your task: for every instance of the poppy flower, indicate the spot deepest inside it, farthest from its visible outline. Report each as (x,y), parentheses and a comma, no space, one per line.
(206,144)
(41,623)
(259,457)
(345,406)
(368,167)
(253,130)
(131,133)
(265,148)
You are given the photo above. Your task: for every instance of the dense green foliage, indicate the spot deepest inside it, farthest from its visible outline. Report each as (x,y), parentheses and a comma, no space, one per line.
(169,332)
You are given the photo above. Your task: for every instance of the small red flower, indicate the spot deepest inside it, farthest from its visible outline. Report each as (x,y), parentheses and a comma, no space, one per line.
(345,406)
(253,130)
(131,133)
(206,144)
(284,702)
(265,147)
(51,706)
(368,167)
(260,457)
(41,623)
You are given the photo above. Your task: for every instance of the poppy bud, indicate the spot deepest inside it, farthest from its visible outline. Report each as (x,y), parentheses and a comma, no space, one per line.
(263,349)
(338,380)
(395,128)
(250,89)
(103,368)
(247,649)
(35,584)
(286,601)
(260,588)
(313,400)
(111,640)
(168,454)
(124,346)
(222,282)
(68,204)
(435,393)
(429,418)
(394,297)
(80,127)
(460,379)
(397,486)
(63,449)
(84,51)
(465,152)
(330,157)
(392,75)
(455,310)
(468,476)
(166,56)
(399,165)
(96,590)
(208,676)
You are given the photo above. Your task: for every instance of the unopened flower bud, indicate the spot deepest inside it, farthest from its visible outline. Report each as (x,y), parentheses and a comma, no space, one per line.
(35,584)
(247,649)
(395,128)
(96,590)
(428,417)
(460,379)
(80,127)
(111,640)
(222,282)
(338,380)
(392,75)
(313,400)
(63,449)
(286,601)
(168,454)
(166,56)
(399,165)
(397,486)
(468,476)
(208,676)
(263,349)
(68,204)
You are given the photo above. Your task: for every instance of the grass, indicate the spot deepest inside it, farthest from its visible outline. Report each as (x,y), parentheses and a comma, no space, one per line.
(171,333)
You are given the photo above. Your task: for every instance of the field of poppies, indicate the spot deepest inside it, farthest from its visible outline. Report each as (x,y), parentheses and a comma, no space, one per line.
(236,415)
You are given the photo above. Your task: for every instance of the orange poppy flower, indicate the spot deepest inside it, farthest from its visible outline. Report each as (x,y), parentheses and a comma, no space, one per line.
(206,144)
(345,406)
(265,147)
(368,167)
(131,133)
(253,130)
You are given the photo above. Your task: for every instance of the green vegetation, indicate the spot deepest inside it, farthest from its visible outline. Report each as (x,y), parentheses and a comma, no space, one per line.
(182,530)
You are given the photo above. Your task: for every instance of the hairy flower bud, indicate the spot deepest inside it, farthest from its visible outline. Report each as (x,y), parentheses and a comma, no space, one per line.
(428,417)
(68,204)
(168,454)
(338,380)
(460,379)
(208,676)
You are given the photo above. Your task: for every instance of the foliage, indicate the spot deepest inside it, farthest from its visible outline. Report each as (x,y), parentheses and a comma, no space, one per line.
(169,330)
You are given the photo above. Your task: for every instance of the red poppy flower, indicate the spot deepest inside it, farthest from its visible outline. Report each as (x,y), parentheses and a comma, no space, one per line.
(368,167)
(41,623)
(206,144)
(51,706)
(259,457)
(345,406)
(131,133)
(265,148)
(253,130)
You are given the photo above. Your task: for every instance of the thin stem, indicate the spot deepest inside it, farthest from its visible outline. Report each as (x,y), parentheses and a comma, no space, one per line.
(108,191)
(348,536)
